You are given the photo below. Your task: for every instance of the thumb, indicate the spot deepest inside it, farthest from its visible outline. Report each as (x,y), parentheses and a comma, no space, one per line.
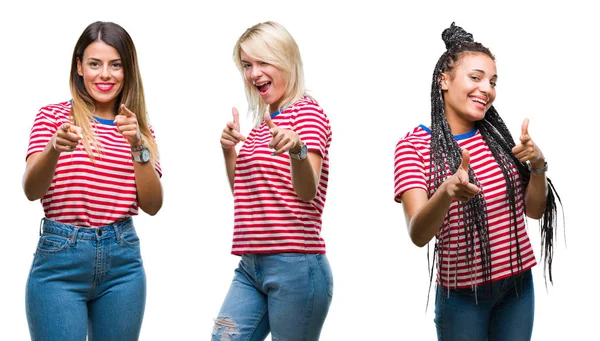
(236,117)
(268,121)
(524,128)
(466,158)
(76,130)
(65,127)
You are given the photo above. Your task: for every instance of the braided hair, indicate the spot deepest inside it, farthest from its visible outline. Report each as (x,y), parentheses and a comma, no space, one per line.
(446,156)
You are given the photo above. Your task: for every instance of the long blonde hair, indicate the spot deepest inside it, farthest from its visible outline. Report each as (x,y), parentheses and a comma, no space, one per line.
(271,43)
(132,94)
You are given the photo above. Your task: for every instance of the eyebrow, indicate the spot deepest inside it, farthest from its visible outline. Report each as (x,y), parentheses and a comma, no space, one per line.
(478,70)
(96,59)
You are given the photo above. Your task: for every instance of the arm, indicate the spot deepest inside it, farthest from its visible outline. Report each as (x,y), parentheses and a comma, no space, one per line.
(537,188)
(424,217)
(41,166)
(306,174)
(148,186)
(230,137)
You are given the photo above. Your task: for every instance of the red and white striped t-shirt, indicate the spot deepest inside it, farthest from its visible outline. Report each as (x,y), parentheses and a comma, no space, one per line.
(269,216)
(84,193)
(412,171)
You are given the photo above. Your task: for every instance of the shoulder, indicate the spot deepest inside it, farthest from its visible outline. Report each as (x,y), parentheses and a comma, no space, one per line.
(62,109)
(306,106)
(417,138)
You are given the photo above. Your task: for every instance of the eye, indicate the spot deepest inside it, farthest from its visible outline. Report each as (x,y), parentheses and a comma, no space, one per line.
(117,65)
(93,65)
(475,78)
(493,83)
(264,63)
(245,66)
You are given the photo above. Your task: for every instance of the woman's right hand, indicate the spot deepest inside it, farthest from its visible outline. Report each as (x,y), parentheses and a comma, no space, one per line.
(66,138)
(458,186)
(231,134)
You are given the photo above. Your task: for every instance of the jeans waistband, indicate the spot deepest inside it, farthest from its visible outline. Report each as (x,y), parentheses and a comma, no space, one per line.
(85,233)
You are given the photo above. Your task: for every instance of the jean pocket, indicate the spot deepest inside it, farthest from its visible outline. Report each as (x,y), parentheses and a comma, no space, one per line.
(51,243)
(129,237)
(326,272)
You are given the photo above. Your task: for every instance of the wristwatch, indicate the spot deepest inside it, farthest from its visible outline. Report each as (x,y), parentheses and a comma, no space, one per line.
(301,155)
(140,153)
(538,170)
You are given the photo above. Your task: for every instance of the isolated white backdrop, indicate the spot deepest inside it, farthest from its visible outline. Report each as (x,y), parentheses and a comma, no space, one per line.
(369,64)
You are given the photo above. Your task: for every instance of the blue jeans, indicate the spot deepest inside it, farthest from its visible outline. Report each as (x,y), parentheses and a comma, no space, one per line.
(499,314)
(287,294)
(86,281)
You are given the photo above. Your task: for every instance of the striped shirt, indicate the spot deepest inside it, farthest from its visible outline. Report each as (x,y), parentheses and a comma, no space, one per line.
(269,216)
(412,171)
(83,193)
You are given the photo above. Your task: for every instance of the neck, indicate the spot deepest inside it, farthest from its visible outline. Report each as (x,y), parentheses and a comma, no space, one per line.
(105,110)
(458,125)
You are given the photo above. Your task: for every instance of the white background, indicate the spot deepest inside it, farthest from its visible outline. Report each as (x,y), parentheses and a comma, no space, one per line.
(369,64)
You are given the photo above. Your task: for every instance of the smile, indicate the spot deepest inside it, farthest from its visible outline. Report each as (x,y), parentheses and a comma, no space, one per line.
(105,86)
(263,87)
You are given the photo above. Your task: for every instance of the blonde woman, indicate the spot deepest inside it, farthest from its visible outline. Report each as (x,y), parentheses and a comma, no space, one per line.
(283,284)
(93,162)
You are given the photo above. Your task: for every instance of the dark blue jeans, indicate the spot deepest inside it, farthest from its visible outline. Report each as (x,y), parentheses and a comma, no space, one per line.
(498,315)
(86,281)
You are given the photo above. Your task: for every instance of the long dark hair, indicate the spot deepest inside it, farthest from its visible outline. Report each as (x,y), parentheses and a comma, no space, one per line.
(445,152)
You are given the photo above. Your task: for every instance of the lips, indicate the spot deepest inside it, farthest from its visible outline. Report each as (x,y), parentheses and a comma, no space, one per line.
(263,87)
(479,102)
(104,86)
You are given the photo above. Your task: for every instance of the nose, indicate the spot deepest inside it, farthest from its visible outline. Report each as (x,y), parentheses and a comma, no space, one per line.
(105,72)
(256,72)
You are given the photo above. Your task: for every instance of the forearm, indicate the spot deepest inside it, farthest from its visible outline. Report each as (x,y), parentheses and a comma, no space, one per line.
(535,196)
(305,176)
(149,188)
(426,222)
(39,172)
(230,157)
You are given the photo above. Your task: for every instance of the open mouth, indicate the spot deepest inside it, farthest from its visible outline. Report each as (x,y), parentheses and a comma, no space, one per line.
(104,86)
(480,103)
(263,87)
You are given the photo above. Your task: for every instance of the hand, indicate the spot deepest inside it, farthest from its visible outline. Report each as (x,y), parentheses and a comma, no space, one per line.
(128,126)
(66,138)
(231,134)
(283,139)
(527,150)
(458,186)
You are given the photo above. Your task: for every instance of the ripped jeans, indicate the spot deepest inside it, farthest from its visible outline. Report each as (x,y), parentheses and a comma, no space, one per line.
(286,294)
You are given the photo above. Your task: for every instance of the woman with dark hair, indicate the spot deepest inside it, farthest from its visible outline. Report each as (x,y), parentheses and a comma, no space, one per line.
(93,162)
(466,182)
(283,284)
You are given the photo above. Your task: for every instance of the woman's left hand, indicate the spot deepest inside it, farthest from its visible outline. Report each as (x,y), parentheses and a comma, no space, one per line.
(527,150)
(127,124)
(283,139)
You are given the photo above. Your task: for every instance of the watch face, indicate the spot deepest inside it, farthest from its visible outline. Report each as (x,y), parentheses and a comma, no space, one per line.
(145,155)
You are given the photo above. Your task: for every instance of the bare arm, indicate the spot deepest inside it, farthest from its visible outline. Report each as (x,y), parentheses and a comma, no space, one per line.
(148,186)
(230,157)
(306,174)
(537,188)
(424,216)
(41,166)
(230,137)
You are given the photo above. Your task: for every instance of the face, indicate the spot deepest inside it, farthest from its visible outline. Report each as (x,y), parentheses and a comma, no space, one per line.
(470,90)
(268,81)
(102,73)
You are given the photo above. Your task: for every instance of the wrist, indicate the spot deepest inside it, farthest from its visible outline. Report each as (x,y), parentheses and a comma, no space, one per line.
(296,148)
(537,169)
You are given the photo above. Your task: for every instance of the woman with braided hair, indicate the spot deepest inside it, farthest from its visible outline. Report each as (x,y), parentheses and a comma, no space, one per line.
(466,182)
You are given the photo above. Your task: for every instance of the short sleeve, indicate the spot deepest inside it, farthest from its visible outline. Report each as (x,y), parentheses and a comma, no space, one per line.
(313,127)
(44,126)
(409,169)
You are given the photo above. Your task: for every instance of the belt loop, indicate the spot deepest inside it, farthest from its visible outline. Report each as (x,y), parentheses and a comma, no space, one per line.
(41,224)
(73,237)
(117,229)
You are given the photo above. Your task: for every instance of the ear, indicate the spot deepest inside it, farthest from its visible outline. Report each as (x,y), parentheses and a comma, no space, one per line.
(445,80)
(79,68)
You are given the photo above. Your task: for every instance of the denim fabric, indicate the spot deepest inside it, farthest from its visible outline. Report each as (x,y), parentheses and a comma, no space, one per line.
(86,281)
(286,294)
(499,314)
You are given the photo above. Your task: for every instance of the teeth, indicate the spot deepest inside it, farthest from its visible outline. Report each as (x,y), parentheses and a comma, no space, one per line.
(261,84)
(479,100)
